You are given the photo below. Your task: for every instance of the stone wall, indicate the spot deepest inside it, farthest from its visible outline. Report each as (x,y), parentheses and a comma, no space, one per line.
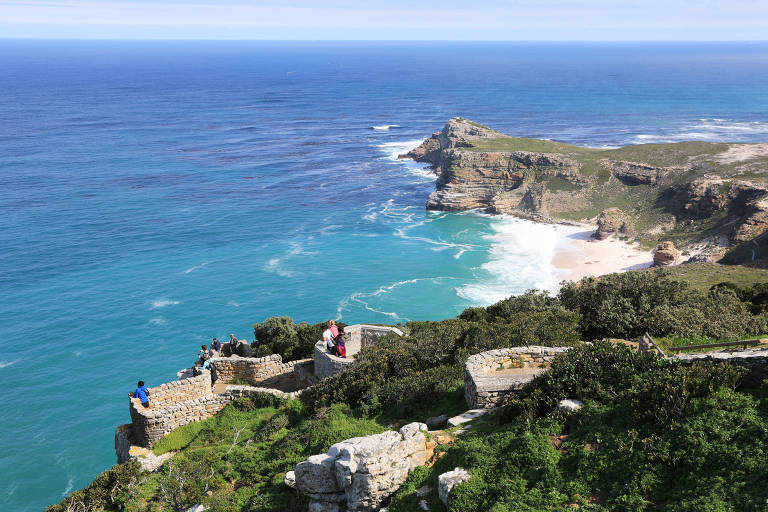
(150,425)
(755,361)
(357,337)
(180,390)
(360,473)
(268,371)
(490,377)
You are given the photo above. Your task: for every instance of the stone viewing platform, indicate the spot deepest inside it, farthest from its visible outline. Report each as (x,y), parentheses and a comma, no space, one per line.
(358,337)
(199,394)
(490,377)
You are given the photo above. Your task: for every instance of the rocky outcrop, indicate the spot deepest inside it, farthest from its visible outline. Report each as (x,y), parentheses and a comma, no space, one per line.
(447,481)
(665,254)
(361,473)
(610,222)
(635,173)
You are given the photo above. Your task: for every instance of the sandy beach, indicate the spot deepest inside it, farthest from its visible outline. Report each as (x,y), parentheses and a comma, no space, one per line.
(581,255)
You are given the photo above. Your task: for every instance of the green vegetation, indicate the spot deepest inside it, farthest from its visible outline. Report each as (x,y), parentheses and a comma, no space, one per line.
(702,276)
(652,435)
(279,335)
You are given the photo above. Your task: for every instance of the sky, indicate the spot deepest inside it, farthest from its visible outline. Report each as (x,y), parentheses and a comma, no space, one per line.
(494,20)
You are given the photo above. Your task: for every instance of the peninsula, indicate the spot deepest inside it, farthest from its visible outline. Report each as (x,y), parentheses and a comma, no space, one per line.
(709,199)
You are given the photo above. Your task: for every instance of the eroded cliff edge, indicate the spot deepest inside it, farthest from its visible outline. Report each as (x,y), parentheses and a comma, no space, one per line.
(711,199)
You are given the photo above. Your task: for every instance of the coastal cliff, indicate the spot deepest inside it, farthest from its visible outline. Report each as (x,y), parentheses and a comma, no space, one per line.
(711,199)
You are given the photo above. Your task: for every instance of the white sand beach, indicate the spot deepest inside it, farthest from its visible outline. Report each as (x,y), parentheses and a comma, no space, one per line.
(583,256)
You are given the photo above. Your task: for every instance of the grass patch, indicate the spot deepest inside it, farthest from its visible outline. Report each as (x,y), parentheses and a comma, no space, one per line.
(704,275)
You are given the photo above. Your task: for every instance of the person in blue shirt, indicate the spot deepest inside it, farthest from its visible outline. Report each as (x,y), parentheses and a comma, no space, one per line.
(142,393)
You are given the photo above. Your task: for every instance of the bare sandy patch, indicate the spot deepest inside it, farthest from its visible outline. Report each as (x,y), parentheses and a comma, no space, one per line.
(741,152)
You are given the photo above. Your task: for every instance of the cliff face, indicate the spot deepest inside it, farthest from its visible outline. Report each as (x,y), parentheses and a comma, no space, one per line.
(706,197)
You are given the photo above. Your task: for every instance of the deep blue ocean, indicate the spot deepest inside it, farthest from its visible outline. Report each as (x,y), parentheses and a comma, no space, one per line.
(156,194)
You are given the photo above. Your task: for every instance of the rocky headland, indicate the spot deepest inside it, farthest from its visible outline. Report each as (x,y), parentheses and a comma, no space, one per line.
(709,199)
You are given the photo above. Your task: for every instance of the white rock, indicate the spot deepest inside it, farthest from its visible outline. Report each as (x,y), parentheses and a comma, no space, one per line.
(569,405)
(412,429)
(466,416)
(447,481)
(290,479)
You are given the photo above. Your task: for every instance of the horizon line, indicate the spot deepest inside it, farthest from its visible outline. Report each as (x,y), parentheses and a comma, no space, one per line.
(211,39)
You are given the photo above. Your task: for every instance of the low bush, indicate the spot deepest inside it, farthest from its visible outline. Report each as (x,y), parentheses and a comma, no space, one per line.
(280,335)
(629,304)
(652,435)
(428,361)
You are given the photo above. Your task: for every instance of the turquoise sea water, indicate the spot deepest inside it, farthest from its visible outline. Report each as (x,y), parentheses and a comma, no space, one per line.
(154,195)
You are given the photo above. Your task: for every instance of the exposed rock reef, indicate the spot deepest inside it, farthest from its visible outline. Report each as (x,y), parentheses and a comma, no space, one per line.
(709,197)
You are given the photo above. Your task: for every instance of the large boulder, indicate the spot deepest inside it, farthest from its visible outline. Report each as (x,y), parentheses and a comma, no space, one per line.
(612,221)
(363,471)
(665,254)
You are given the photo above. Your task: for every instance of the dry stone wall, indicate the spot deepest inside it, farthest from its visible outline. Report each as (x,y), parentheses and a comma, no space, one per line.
(357,336)
(754,361)
(491,377)
(150,425)
(268,371)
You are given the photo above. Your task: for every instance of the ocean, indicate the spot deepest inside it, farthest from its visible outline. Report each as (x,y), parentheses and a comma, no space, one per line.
(157,194)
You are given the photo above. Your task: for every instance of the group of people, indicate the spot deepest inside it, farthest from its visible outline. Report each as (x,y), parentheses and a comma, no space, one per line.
(334,339)
(207,356)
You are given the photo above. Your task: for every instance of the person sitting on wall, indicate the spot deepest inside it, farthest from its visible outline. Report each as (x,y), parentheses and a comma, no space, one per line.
(142,393)
(330,342)
(216,345)
(203,355)
(341,346)
(232,340)
(334,328)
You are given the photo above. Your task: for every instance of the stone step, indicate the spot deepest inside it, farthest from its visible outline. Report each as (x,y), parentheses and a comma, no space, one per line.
(466,417)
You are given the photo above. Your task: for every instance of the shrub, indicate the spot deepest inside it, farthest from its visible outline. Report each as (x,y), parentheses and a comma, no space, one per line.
(280,335)
(626,305)
(429,360)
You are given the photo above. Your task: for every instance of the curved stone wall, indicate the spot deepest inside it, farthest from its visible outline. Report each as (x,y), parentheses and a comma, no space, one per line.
(490,377)
(358,336)
(754,361)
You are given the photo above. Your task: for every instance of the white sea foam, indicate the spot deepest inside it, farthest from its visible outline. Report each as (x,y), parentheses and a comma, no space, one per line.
(393,150)
(158,321)
(161,303)
(360,297)
(196,267)
(233,304)
(385,127)
(4,364)
(519,258)
(707,129)
(70,485)
(276,265)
